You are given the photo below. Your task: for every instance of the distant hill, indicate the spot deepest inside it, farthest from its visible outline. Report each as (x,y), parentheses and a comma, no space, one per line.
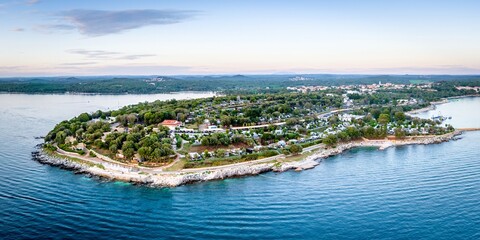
(219,83)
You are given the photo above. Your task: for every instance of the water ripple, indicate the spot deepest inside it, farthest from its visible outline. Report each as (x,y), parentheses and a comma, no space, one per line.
(427,192)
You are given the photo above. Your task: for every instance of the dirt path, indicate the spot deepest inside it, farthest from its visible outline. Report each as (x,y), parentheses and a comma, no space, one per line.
(107,160)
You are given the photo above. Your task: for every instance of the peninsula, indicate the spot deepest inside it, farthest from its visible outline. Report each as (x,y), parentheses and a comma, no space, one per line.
(171,143)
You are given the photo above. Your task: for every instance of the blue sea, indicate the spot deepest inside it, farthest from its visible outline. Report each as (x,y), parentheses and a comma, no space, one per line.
(410,192)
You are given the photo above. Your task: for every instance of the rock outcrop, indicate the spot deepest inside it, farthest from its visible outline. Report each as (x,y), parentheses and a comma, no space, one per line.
(173,179)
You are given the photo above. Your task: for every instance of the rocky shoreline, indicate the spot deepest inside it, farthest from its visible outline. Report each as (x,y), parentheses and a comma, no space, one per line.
(178,178)
(428,108)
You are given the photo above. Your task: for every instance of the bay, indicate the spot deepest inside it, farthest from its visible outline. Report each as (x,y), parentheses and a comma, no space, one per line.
(426,192)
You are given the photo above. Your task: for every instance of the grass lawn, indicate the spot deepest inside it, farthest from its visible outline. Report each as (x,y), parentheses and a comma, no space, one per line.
(298,157)
(177,166)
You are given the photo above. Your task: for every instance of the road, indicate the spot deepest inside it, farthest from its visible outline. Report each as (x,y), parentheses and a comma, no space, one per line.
(106,160)
(101,159)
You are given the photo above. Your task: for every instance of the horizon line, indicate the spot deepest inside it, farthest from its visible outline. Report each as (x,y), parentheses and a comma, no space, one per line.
(237,74)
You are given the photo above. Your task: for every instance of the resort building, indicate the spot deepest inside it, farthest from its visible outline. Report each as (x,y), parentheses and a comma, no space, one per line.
(172,124)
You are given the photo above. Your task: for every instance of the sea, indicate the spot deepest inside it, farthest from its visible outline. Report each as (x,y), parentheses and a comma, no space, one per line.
(409,192)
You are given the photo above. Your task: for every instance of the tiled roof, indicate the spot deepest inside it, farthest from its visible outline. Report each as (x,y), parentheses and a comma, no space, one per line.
(171,122)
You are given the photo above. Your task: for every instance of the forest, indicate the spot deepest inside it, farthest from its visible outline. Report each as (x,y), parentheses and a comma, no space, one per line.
(228,84)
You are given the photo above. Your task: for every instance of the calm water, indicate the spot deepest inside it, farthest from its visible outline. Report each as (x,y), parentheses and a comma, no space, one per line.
(464,112)
(413,192)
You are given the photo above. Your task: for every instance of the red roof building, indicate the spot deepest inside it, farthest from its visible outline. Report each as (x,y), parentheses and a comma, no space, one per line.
(172,124)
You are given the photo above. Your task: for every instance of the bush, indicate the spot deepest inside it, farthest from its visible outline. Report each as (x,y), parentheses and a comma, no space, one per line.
(296,149)
(309,144)
(68,149)
(249,157)
(268,153)
(49,147)
(330,140)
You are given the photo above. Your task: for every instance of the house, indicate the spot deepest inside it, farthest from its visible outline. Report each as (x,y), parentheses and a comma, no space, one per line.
(172,124)
(81,147)
(212,127)
(292,141)
(209,128)
(111,120)
(194,155)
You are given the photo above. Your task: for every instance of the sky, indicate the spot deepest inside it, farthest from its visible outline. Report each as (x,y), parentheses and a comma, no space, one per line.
(177,37)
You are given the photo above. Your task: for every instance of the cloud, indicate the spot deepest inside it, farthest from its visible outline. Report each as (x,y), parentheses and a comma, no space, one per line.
(10,67)
(78,63)
(101,55)
(94,54)
(136,56)
(50,28)
(18,29)
(62,70)
(32,2)
(134,70)
(98,23)
(59,26)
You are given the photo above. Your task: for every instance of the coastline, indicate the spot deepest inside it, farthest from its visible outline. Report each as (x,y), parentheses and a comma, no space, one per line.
(117,172)
(443,101)
(428,108)
(108,94)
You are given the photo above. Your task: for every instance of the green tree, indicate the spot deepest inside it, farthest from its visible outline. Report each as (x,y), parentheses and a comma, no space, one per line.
(79,133)
(376,113)
(145,152)
(113,148)
(220,153)
(399,133)
(131,119)
(128,153)
(330,140)
(206,154)
(84,117)
(400,116)
(292,121)
(226,120)
(60,137)
(179,142)
(296,149)
(343,136)
(353,133)
(383,119)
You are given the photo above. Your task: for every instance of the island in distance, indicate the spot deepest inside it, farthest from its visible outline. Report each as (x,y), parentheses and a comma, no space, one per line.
(175,142)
